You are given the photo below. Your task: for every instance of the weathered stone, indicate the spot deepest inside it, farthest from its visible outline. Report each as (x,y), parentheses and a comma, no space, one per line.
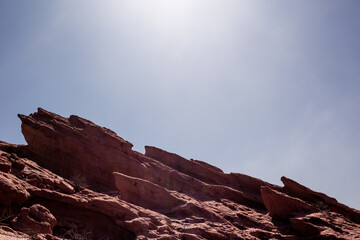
(306,229)
(11,190)
(283,206)
(144,193)
(5,164)
(319,199)
(36,219)
(159,195)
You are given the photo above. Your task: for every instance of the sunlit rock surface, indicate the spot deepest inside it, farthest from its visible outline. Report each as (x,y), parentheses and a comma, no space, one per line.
(77,180)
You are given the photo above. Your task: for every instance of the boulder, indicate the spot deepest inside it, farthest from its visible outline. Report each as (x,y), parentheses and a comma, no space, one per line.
(36,219)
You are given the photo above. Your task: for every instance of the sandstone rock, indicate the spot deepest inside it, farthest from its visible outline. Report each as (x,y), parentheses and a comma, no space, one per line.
(144,193)
(36,219)
(319,199)
(6,233)
(11,190)
(42,178)
(17,162)
(206,172)
(325,225)
(306,229)
(5,164)
(159,195)
(71,145)
(300,191)
(283,206)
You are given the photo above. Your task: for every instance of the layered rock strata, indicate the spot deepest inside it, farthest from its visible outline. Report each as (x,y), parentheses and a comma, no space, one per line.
(77,180)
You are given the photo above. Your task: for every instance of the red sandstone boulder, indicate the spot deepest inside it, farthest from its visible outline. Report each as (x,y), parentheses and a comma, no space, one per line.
(36,219)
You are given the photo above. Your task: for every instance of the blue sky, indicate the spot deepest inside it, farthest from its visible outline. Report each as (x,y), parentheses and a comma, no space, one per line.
(265,88)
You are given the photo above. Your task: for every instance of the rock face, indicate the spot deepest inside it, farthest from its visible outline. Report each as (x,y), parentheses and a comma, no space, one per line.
(77,180)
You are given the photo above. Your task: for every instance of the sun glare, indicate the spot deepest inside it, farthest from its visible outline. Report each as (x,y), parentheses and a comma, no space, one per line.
(161,15)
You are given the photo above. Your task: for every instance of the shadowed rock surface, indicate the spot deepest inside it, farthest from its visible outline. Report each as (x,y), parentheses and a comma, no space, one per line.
(77,180)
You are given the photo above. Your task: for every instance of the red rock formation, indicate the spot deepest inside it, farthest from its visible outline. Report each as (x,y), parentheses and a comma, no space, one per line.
(283,206)
(97,187)
(146,194)
(319,199)
(12,190)
(36,219)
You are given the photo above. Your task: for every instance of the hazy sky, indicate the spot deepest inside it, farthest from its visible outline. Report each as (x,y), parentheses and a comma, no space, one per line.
(265,88)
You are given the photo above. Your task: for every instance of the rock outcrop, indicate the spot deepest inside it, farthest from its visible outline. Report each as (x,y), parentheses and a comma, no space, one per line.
(12,190)
(283,206)
(77,180)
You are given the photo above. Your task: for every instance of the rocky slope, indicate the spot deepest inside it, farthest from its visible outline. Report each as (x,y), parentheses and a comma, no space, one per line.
(77,180)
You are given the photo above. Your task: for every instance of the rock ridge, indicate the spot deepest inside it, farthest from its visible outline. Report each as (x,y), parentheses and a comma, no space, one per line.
(77,180)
